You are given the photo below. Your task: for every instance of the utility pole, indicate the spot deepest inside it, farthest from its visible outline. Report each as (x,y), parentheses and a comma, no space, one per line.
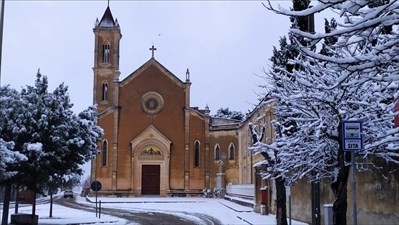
(1,33)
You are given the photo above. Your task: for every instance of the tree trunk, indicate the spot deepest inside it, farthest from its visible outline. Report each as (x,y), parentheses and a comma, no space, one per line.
(51,204)
(34,204)
(340,186)
(6,205)
(16,199)
(281,202)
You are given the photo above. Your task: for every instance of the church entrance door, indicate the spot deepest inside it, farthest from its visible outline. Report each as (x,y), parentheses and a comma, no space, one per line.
(150,179)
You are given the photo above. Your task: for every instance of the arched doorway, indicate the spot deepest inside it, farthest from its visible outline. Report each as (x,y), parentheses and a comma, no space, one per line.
(150,163)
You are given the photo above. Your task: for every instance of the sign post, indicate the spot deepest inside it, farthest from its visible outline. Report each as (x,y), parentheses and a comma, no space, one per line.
(96,186)
(353,141)
(288,192)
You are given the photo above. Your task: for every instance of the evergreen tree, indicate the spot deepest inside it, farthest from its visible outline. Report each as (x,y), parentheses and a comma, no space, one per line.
(327,45)
(226,113)
(10,103)
(51,136)
(10,157)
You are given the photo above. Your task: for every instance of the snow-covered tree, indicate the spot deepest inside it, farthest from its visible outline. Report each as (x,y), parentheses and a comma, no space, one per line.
(9,107)
(55,140)
(226,113)
(8,157)
(328,43)
(358,79)
(50,135)
(283,63)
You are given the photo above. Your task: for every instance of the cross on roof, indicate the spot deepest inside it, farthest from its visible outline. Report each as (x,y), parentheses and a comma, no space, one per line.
(153,49)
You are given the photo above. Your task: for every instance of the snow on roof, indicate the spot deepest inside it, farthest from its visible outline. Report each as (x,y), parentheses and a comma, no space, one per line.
(215,121)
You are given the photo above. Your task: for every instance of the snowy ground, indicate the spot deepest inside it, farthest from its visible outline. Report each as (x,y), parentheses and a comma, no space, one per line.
(225,211)
(64,215)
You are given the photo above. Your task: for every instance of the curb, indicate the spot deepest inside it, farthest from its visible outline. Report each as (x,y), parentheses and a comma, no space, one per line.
(239,217)
(92,222)
(87,199)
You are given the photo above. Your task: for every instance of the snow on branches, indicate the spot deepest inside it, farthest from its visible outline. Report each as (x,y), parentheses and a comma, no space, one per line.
(43,127)
(8,157)
(357,80)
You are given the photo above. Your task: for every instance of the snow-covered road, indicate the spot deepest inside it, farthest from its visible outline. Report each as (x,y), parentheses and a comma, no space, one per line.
(189,211)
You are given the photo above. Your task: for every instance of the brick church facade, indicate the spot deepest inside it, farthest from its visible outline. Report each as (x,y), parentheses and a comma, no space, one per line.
(154,142)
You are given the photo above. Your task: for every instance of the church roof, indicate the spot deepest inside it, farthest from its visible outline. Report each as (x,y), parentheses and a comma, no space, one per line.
(108,20)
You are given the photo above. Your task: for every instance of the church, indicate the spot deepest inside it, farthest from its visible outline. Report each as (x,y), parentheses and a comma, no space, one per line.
(154,142)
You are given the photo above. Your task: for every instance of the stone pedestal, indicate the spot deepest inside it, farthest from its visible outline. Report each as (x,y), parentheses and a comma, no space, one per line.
(220,183)
(256,208)
(263,209)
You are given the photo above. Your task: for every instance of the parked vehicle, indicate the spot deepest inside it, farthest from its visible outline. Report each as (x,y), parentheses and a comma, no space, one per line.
(68,194)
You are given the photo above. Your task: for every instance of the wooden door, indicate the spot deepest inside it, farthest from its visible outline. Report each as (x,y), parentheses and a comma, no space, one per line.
(150,179)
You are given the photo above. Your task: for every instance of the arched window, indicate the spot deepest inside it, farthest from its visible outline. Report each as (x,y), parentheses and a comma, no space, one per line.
(232,152)
(217,152)
(196,154)
(104,153)
(106,52)
(104,92)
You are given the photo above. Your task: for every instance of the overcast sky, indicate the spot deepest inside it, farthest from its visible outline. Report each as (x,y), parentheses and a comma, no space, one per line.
(225,44)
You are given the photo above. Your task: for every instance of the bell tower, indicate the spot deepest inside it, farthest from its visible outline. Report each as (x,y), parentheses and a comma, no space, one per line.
(107,34)
(106,61)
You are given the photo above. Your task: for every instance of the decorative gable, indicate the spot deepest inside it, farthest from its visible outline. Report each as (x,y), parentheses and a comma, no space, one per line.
(153,62)
(151,142)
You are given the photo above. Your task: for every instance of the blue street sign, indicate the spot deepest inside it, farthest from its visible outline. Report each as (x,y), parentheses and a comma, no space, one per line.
(352,135)
(95,186)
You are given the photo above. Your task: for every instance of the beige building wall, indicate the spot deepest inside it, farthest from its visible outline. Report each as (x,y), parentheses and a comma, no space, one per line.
(376,199)
(248,174)
(377,194)
(224,139)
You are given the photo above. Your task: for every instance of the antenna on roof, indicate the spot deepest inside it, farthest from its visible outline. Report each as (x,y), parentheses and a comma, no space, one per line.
(108,3)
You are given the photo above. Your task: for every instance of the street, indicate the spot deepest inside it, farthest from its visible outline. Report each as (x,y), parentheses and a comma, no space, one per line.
(141,217)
